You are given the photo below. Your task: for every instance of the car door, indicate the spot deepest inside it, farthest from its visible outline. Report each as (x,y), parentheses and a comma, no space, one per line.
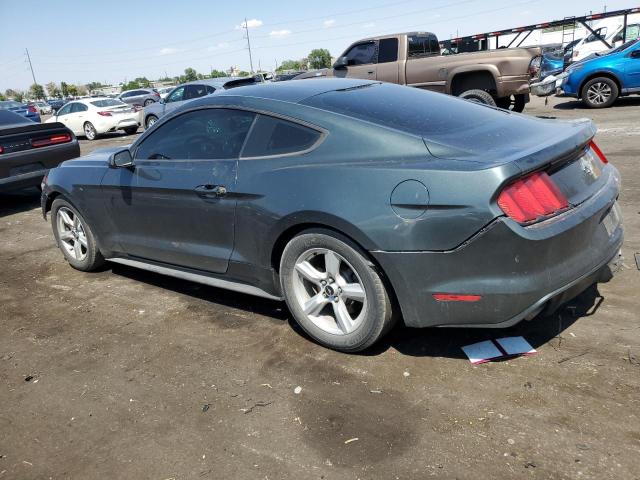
(387,66)
(632,70)
(64,115)
(361,61)
(78,117)
(176,205)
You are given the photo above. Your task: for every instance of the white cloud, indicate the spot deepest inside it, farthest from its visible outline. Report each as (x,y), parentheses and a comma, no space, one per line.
(280,33)
(167,51)
(253,23)
(369,25)
(219,46)
(329,23)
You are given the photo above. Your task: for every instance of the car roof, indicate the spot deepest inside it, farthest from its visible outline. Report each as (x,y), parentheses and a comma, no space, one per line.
(87,101)
(295,91)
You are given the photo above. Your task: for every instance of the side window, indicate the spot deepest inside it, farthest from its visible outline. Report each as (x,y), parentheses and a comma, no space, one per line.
(362,54)
(79,107)
(213,133)
(210,89)
(388,50)
(274,136)
(422,46)
(126,94)
(177,95)
(66,109)
(194,91)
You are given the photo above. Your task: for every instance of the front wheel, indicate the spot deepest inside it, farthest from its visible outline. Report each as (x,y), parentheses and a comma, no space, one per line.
(148,102)
(478,96)
(131,130)
(334,292)
(151,119)
(90,131)
(74,237)
(599,92)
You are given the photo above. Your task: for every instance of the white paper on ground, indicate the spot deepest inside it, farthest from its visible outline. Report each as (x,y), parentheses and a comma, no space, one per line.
(482,352)
(516,346)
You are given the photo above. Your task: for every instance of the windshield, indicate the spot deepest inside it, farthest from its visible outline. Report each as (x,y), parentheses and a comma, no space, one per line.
(622,47)
(109,102)
(6,105)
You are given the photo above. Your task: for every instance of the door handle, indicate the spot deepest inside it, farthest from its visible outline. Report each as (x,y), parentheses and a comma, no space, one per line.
(370,72)
(211,191)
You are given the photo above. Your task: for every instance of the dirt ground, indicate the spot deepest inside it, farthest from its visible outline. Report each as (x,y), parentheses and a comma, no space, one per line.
(124,374)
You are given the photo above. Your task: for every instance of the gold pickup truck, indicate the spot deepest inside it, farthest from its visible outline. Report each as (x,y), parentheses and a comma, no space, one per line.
(495,77)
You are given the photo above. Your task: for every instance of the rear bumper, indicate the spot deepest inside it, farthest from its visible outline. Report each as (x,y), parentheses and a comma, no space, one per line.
(518,271)
(17,182)
(513,85)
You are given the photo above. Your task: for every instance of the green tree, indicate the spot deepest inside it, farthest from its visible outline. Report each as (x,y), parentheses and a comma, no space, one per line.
(36,91)
(189,75)
(289,65)
(82,90)
(243,73)
(52,89)
(143,82)
(72,90)
(2,97)
(64,89)
(94,85)
(319,58)
(217,74)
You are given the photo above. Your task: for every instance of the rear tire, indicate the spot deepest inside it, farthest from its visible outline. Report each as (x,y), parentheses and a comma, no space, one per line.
(74,237)
(514,103)
(90,131)
(148,102)
(478,96)
(334,292)
(599,92)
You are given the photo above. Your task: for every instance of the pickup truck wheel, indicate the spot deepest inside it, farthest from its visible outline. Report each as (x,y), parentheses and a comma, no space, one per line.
(515,103)
(599,92)
(478,96)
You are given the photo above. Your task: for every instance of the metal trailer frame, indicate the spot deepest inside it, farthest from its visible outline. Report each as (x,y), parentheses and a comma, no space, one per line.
(482,39)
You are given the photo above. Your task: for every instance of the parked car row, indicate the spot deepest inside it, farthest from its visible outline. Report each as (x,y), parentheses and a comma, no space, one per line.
(27,111)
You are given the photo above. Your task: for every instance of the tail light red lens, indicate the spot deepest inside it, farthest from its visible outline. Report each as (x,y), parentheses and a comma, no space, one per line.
(455,297)
(52,140)
(1,149)
(532,198)
(598,152)
(105,114)
(32,109)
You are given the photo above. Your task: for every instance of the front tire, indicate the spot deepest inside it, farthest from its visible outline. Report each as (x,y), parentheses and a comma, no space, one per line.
(131,130)
(90,131)
(74,237)
(151,119)
(478,96)
(334,292)
(600,92)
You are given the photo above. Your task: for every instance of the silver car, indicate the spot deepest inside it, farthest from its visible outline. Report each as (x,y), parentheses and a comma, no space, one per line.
(140,96)
(191,90)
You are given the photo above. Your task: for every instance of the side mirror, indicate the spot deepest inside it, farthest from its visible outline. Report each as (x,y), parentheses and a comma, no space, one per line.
(341,63)
(635,54)
(121,159)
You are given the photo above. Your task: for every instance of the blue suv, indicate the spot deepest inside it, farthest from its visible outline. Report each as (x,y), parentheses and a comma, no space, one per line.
(599,81)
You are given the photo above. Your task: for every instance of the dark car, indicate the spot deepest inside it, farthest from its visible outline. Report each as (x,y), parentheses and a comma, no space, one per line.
(353,201)
(140,96)
(27,111)
(28,150)
(56,104)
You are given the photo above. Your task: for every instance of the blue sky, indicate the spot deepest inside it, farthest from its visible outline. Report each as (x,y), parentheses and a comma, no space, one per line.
(110,41)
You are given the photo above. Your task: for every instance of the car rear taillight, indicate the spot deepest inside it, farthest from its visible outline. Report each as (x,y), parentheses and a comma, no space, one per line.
(456,297)
(534,66)
(532,198)
(32,109)
(1,149)
(598,152)
(52,140)
(105,114)
(136,108)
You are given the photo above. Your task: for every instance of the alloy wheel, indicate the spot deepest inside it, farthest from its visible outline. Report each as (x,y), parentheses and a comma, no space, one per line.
(599,93)
(329,291)
(89,131)
(72,234)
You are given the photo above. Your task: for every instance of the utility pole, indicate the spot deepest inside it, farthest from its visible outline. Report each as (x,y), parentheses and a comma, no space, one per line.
(30,66)
(246,28)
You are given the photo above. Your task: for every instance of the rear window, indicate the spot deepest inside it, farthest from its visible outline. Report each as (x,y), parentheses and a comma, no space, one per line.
(110,102)
(422,45)
(274,136)
(6,105)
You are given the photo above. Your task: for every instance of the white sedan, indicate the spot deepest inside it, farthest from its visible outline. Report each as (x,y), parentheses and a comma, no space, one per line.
(90,117)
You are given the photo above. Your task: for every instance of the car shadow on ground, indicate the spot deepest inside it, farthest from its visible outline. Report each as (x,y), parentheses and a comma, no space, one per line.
(19,201)
(573,104)
(427,342)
